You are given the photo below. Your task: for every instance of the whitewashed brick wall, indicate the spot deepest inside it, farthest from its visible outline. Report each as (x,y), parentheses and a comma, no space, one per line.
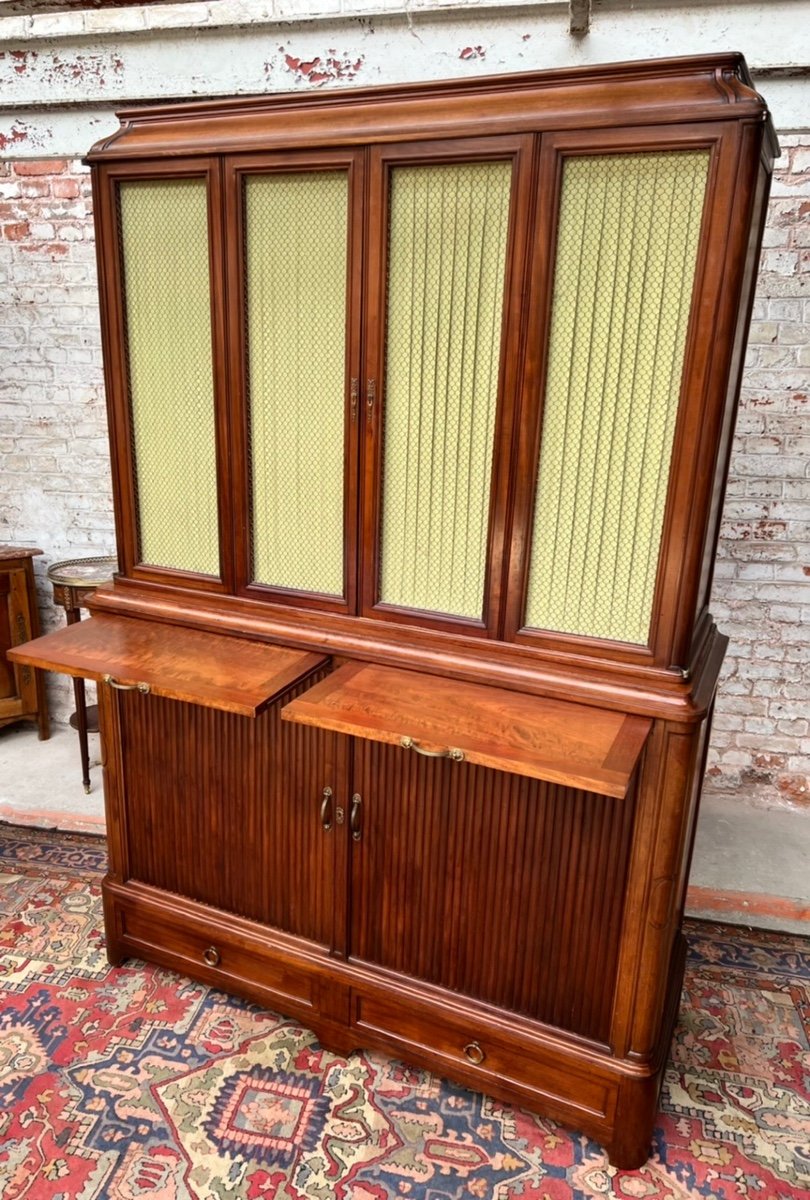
(54,457)
(761,593)
(54,462)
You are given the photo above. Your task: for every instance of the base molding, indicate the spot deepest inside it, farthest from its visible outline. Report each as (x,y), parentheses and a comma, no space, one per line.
(355,1006)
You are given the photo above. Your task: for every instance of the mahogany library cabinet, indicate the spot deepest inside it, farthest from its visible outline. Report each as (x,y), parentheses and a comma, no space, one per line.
(420,402)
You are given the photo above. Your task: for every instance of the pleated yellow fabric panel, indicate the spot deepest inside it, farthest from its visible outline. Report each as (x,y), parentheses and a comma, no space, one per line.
(627,247)
(447,254)
(296,256)
(164,238)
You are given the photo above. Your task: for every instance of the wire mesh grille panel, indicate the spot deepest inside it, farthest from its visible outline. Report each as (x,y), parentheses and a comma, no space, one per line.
(627,246)
(446,261)
(296,262)
(164,248)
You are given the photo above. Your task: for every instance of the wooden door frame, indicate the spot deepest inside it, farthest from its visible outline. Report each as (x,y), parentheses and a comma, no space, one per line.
(517,148)
(236,168)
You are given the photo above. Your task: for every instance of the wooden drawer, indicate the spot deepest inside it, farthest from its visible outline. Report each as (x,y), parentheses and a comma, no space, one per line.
(210,952)
(483,1055)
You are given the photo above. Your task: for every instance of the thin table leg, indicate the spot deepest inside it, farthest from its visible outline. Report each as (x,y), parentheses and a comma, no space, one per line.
(81,725)
(73,617)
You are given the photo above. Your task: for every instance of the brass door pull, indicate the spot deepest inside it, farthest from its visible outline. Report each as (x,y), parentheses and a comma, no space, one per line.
(211,957)
(474,1053)
(354,817)
(408,743)
(326,809)
(127,687)
(354,394)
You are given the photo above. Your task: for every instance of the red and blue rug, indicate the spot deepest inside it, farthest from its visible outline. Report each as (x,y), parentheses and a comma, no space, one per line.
(134,1082)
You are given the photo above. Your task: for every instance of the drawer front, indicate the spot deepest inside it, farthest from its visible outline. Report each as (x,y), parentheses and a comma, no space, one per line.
(209,953)
(479,1053)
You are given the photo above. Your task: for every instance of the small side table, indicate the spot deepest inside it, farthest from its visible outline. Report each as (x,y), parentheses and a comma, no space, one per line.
(22,689)
(73,581)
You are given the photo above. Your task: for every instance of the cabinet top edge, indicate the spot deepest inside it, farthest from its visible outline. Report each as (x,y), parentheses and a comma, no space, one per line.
(701,87)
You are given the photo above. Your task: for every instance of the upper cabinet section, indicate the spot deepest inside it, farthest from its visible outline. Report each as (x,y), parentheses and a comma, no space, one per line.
(446,361)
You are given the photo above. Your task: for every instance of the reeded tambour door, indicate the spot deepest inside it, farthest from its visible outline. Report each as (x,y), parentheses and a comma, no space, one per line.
(437,389)
(295,269)
(162,272)
(612,325)
(501,888)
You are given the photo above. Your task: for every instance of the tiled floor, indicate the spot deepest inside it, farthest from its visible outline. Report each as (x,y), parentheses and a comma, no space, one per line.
(750,864)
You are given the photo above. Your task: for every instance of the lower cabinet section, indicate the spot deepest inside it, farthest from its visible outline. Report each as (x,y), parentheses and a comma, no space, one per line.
(501,908)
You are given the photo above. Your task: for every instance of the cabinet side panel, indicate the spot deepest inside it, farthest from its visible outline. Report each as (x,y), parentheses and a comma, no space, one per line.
(627,246)
(226,810)
(505,889)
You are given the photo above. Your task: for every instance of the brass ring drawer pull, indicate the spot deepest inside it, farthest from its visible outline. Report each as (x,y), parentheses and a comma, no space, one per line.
(474,1053)
(408,743)
(127,687)
(211,957)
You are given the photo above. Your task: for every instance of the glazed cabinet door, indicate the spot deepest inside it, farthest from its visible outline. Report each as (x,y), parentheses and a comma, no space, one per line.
(295,267)
(234,812)
(446,223)
(610,473)
(505,889)
(161,274)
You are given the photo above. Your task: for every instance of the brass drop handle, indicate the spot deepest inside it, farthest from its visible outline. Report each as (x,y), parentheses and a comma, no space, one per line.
(408,743)
(127,687)
(326,809)
(474,1053)
(211,957)
(354,817)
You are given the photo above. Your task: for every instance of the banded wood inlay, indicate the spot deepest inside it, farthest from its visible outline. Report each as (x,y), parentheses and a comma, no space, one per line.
(226,810)
(500,887)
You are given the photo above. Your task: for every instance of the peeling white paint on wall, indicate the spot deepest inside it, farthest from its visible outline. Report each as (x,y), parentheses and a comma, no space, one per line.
(62,74)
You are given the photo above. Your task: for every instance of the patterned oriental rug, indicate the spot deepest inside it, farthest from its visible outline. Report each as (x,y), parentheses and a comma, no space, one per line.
(133,1082)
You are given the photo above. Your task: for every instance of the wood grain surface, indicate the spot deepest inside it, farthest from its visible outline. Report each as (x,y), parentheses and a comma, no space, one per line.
(182,664)
(572,744)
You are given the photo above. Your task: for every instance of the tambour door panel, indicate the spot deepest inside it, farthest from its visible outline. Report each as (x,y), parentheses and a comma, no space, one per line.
(295,262)
(162,278)
(445,251)
(619,330)
(502,888)
(228,811)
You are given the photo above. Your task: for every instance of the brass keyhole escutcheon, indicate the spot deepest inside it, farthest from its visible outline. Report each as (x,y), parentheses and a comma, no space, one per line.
(211,957)
(474,1053)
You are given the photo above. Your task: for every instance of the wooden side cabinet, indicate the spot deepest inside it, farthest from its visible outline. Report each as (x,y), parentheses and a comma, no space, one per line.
(421,401)
(22,688)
